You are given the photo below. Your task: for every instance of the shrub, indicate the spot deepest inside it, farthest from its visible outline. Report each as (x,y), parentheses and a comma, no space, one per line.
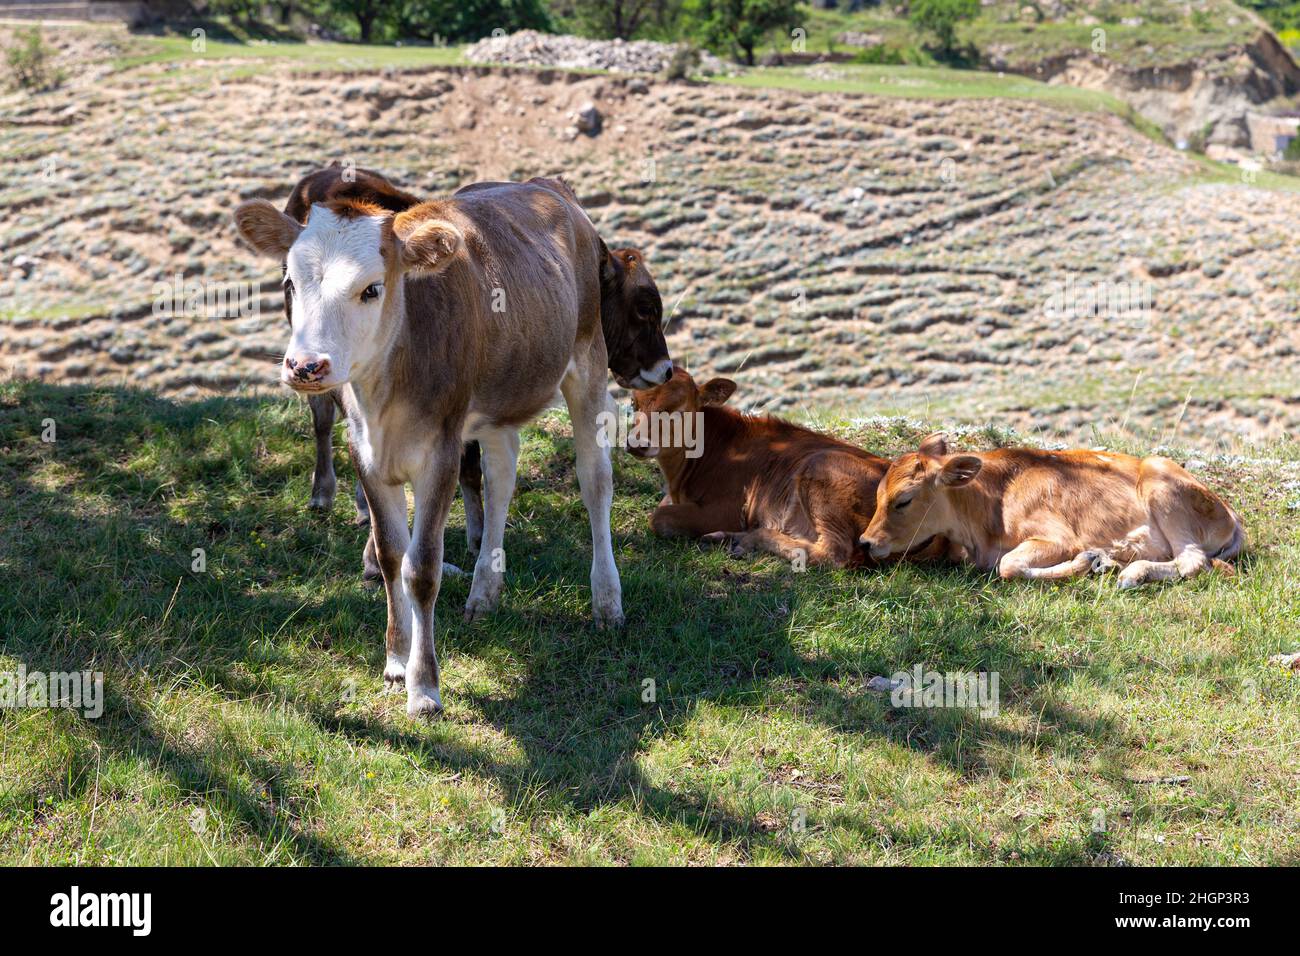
(887,54)
(684,62)
(28,61)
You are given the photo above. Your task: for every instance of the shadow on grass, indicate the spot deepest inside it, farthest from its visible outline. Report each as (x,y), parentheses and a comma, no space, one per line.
(100,526)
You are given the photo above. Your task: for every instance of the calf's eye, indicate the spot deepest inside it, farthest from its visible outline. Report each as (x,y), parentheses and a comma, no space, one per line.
(900,505)
(370,292)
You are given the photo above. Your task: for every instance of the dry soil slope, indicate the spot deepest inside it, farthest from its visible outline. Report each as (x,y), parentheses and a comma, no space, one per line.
(832,252)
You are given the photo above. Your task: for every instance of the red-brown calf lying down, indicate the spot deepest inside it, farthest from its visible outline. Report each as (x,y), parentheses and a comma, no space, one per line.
(756,484)
(1055,514)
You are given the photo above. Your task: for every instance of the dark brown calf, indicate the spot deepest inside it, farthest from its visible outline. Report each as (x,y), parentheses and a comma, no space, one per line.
(756,484)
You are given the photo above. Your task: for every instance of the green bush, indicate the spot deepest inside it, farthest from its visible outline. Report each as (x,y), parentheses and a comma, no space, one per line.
(940,17)
(1292,152)
(684,62)
(28,62)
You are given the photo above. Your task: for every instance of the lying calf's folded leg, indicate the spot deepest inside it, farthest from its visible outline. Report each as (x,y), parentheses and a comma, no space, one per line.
(1038,558)
(1191,561)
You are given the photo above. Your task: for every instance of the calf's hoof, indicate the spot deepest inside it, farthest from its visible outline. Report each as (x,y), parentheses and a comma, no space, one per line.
(606,600)
(478,608)
(394,677)
(484,595)
(423,704)
(1100,562)
(608,618)
(1135,575)
(733,543)
(322,494)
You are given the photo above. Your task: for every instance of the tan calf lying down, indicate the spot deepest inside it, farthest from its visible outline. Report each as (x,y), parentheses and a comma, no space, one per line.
(1055,514)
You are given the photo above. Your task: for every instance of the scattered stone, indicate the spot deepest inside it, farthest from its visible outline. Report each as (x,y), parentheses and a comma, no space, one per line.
(883,685)
(586,119)
(1289,661)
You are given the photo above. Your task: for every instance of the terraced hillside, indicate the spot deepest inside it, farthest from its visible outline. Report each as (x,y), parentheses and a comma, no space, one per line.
(833,251)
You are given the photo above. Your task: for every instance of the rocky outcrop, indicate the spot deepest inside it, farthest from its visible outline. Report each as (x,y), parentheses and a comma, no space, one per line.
(530,48)
(1203,101)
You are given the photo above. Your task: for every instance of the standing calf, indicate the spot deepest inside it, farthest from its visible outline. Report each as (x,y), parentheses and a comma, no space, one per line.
(454,320)
(1055,514)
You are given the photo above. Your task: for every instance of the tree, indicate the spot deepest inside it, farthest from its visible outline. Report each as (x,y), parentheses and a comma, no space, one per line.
(463,21)
(941,17)
(613,18)
(366,13)
(739,24)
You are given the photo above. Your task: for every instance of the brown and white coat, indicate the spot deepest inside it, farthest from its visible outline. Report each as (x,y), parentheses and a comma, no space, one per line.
(452,320)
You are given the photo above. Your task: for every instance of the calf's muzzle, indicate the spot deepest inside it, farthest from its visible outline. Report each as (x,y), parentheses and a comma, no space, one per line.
(304,370)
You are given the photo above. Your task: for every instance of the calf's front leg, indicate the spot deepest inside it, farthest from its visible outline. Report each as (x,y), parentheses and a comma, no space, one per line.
(323,481)
(1043,560)
(390,538)
(422,575)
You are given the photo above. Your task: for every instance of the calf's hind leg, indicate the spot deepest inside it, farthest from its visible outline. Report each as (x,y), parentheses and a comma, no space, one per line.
(584,393)
(1186,514)
(500,448)
(471,489)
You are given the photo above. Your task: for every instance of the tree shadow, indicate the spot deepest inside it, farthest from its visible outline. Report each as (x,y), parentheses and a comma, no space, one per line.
(577,712)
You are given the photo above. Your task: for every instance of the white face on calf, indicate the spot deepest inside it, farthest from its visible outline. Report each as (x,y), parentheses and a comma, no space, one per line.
(338,269)
(335,273)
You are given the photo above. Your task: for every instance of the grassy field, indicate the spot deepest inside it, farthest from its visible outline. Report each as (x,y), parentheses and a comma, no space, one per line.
(244,721)
(308,56)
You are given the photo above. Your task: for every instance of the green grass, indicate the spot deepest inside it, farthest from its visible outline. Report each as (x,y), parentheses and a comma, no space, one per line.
(244,722)
(926,82)
(308,56)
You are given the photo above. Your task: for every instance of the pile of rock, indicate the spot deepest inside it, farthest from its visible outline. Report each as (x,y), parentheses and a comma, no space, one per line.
(530,48)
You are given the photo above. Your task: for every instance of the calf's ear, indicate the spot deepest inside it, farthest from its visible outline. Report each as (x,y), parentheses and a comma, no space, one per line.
(265,228)
(959,470)
(935,445)
(426,245)
(716,391)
